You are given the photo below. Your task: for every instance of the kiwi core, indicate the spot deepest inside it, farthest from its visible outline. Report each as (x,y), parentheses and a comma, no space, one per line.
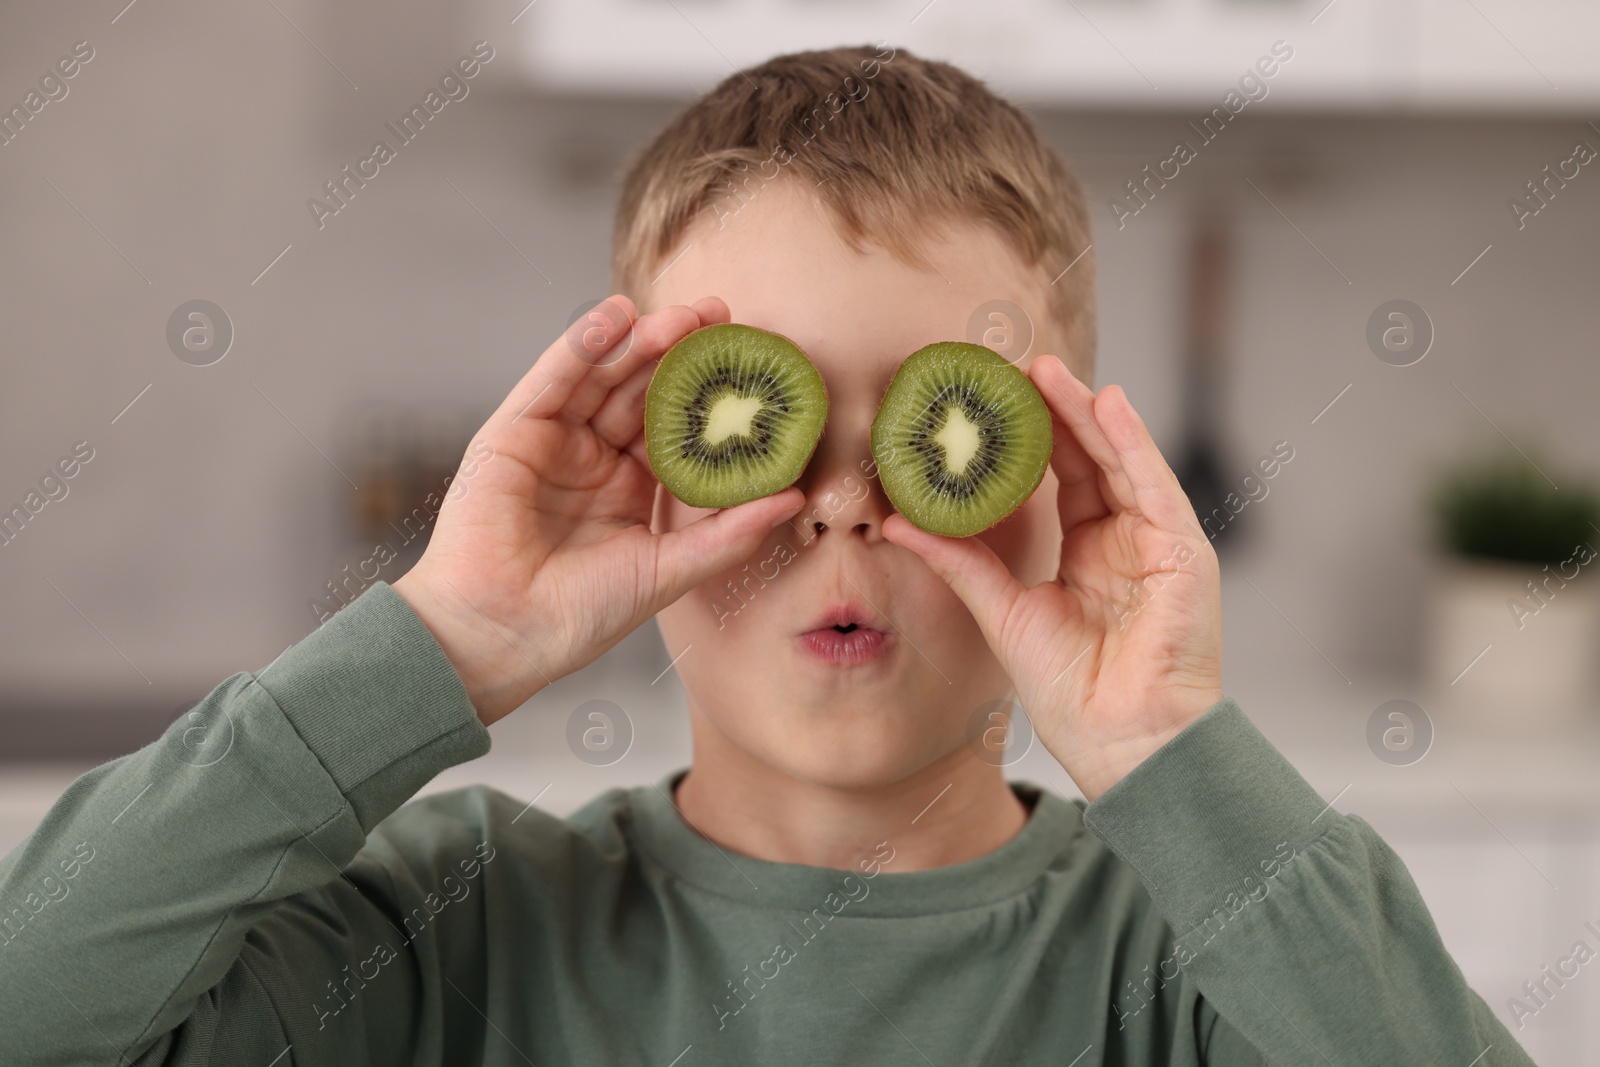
(731,415)
(959,439)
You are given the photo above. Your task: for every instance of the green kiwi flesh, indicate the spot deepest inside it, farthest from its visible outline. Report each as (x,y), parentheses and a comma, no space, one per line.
(961,439)
(732,414)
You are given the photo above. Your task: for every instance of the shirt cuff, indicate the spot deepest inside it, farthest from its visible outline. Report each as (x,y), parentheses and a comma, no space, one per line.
(1214,806)
(373,695)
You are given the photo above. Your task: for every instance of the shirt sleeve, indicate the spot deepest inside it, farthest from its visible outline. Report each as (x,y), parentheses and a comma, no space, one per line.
(1298,924)
(197,901)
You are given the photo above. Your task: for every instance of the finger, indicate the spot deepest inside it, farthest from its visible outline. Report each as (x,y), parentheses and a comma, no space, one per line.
(620,369)
(621,417)
(602,337)
(969,566)
(549,383)
(556,375)
(1076,406)
(1079,498)
(687,557)
(649,337)
(1161,497)
(712,310)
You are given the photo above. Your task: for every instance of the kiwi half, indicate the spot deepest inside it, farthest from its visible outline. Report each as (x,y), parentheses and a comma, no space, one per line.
(961,439)
(733,413)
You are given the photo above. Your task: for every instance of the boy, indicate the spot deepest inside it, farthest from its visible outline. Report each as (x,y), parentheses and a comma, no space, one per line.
(839,877)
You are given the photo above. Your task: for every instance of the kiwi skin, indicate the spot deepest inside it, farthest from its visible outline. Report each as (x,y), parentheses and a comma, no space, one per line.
(662,446)
(902,475)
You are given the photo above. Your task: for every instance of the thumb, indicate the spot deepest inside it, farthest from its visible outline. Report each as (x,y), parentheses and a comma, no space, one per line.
(687,557)
(970,567)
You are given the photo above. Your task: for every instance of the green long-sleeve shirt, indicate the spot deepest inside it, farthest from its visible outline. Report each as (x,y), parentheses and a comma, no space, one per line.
(244,891)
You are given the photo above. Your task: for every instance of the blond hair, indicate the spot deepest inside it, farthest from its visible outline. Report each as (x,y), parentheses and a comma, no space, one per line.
(892,143)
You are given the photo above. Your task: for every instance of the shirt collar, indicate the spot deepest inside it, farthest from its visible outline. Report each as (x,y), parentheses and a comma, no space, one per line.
(1044,841)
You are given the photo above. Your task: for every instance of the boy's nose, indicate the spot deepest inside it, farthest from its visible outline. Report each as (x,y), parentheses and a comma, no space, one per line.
(843,495)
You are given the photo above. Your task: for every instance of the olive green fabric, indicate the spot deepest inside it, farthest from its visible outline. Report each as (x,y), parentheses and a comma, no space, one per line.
(249,890)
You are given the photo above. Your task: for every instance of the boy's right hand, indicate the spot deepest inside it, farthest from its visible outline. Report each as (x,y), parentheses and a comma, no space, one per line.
(542,557)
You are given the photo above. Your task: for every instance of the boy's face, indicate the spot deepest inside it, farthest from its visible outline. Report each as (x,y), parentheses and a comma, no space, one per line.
(775,677)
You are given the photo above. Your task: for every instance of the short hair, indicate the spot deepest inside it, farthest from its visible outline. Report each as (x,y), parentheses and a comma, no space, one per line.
(892,143)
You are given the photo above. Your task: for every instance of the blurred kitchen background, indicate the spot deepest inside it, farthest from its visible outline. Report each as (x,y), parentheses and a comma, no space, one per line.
(1355,271)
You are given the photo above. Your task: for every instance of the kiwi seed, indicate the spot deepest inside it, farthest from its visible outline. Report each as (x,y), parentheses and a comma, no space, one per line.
(961,439)
(732,414)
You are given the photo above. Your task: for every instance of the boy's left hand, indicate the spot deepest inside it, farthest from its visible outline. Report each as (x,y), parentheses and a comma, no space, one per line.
(1124,648)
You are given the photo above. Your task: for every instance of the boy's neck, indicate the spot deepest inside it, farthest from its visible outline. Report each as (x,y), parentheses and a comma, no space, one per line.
(954,810)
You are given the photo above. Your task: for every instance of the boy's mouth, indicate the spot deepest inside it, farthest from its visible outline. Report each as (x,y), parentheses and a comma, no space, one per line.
(846,635)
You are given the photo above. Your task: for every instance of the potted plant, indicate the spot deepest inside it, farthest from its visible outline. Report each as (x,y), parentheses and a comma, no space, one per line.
(1514,626)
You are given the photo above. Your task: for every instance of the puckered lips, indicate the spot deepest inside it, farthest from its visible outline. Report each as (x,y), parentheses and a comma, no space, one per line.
(847,634)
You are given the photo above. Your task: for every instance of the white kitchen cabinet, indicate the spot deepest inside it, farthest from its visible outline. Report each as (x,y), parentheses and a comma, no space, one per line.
(1384,55)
